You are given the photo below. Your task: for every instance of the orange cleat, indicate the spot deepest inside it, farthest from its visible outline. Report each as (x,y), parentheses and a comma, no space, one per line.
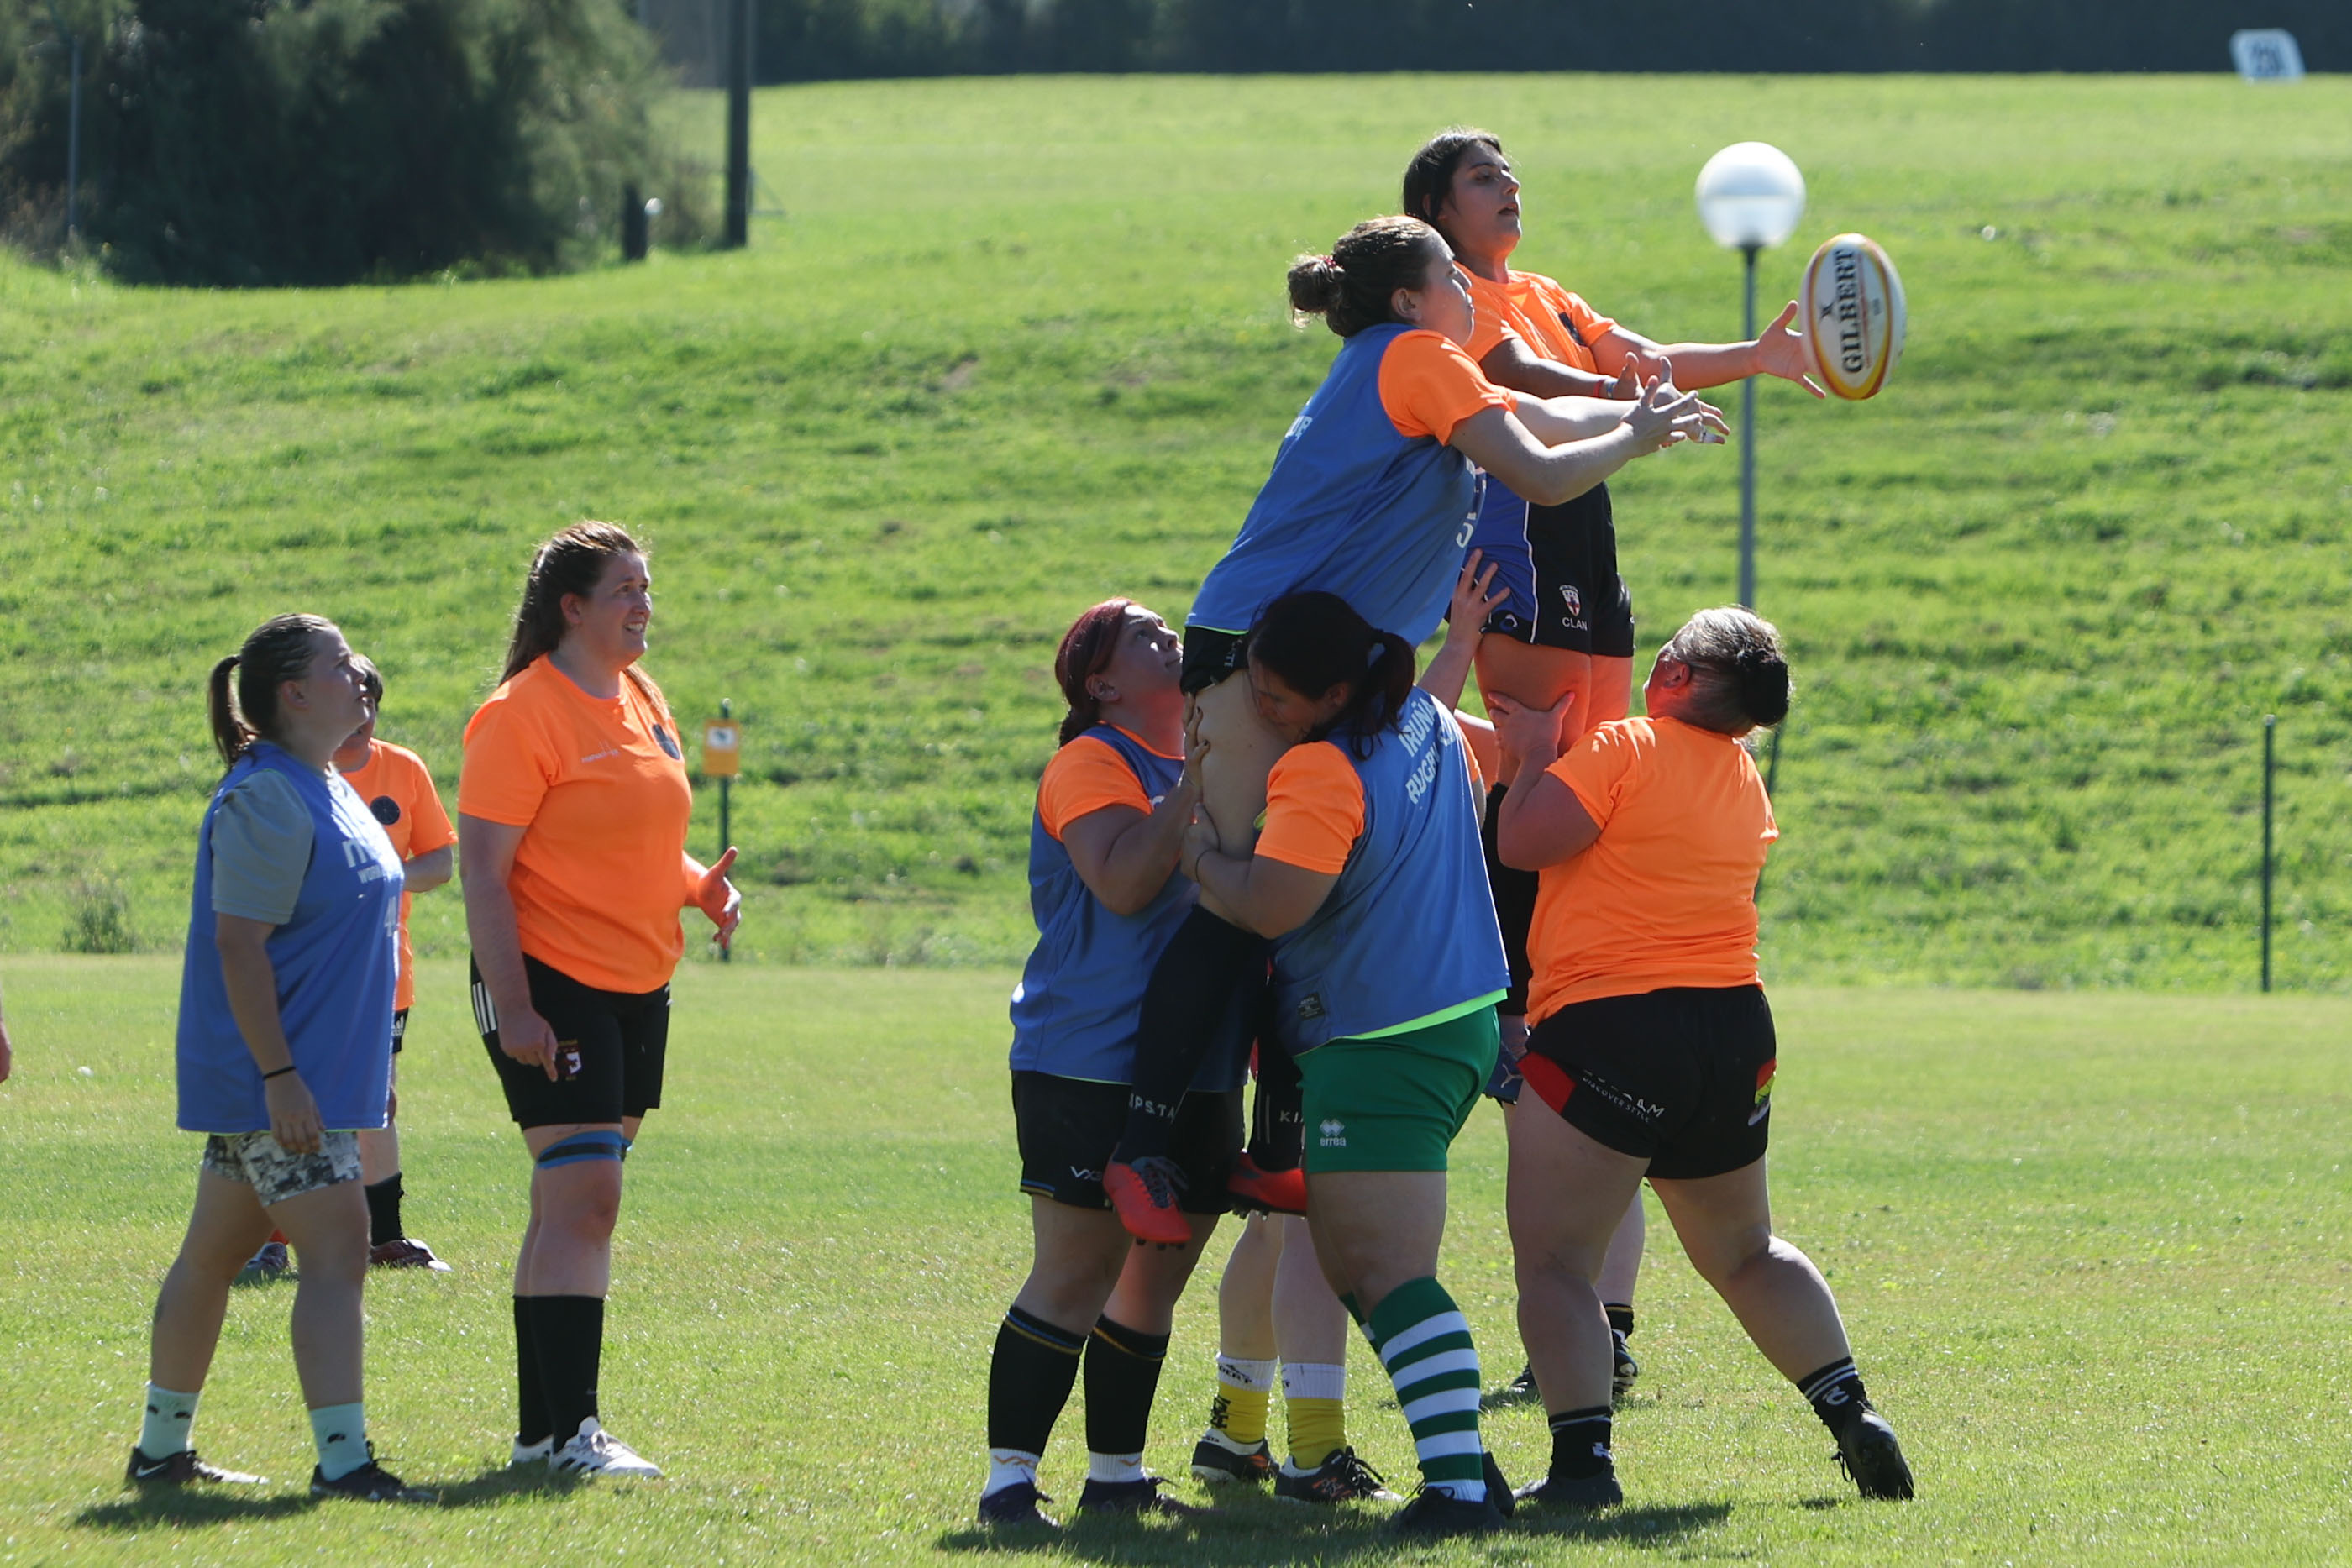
(1258,1191)
(1144,1196)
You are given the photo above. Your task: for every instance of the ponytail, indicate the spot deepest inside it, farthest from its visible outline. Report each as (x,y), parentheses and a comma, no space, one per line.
(1314,643)
(278,650)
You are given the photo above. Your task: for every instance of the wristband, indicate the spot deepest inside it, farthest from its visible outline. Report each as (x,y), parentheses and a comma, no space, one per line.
(279,1073)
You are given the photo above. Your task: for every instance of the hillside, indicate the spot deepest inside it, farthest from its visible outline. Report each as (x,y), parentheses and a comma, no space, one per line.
(1020,343)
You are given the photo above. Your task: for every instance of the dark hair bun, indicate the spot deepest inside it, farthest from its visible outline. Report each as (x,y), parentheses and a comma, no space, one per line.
(1316,284)
(1763,686)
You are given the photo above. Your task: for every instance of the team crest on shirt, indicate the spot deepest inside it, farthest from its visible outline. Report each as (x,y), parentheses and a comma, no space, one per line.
(667,745)
(386,810)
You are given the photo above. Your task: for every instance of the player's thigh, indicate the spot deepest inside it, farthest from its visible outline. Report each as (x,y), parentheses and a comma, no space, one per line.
(1566,1193)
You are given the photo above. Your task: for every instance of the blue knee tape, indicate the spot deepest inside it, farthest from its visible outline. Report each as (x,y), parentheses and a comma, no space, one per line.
(584,1146)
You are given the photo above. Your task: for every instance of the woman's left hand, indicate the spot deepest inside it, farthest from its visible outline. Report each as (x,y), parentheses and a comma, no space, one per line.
(1466,614)
(1780,352)
(293,1114)
(1531,734)
(716,898)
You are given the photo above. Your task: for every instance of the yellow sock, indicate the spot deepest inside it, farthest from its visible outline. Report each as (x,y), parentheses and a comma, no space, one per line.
(1245,1389)
(1318,1429)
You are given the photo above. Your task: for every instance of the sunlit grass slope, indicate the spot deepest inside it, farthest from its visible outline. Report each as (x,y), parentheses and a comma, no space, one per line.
(1019,344)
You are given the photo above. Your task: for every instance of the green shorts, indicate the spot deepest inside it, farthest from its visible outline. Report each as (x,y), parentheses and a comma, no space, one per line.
(1394,1102)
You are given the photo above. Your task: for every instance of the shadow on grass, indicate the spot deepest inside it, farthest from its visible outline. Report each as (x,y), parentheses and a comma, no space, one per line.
(197,1506)
(1254,1531)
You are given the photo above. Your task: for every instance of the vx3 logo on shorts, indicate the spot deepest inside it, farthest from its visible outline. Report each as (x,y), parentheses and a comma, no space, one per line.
(1335,1133)
(1085,1175)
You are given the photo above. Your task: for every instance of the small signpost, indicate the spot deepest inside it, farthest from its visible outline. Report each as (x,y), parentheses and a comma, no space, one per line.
(2266,54)
(722,758)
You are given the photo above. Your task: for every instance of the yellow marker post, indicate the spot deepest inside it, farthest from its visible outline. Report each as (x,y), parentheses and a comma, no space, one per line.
(722,758)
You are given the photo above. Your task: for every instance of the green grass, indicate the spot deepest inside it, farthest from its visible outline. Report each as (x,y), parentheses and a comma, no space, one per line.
(1019,344)
(2091,1251)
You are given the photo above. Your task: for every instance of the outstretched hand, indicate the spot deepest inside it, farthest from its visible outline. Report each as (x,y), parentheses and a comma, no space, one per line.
(1780,352)
(716,898)
(1665,414)
(1467,612)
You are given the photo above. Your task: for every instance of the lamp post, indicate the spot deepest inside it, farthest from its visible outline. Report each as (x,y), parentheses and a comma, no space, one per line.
(1750,195)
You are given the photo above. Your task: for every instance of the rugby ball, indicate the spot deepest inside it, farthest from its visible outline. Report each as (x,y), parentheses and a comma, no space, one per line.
(1853,316)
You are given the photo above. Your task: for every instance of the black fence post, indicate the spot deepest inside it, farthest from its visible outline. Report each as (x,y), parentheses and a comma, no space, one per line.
(2270,759)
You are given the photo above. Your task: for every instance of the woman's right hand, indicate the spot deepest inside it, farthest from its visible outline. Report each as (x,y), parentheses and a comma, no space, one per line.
(526,1037)
(1529,734)
(1663,414)
(293,1114)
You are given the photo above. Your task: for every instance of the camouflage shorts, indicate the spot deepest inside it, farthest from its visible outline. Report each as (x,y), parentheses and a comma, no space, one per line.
(262,1163)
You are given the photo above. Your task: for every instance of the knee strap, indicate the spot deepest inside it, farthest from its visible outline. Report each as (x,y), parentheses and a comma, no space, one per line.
(582,1146)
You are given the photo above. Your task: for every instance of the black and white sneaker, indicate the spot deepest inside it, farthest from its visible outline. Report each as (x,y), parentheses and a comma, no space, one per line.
(1871,1457)
(1577,1494)
(1138,1497)
(1621,1375)
(369,1483)
(1523,1386)
(181,1468)
(1015,1508)
(1218,1459)
(594,1451)
(1340,1477)
(1435,1515)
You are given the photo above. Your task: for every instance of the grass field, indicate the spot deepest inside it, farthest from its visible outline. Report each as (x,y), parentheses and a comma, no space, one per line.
(1019,344)
(2092,1249)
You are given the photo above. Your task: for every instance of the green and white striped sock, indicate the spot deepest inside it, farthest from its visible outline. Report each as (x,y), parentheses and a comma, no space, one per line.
(1424,1341)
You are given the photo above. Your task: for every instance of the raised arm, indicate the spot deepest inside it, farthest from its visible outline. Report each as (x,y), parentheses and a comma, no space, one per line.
(1778,351)
(1537,454)
(1125,856)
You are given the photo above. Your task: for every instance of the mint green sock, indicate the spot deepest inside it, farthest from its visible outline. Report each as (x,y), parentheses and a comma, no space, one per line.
(341,1433)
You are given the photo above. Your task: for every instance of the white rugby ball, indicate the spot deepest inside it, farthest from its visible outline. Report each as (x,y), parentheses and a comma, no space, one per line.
(1851,307)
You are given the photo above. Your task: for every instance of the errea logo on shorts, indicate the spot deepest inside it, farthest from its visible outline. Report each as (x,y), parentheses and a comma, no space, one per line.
(1335,1133)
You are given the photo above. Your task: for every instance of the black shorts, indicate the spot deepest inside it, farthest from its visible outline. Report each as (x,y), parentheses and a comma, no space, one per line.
(1682,1077)
(1514,892)
(613,1043)
(1209,656)
(1067,1128)
(1566,592)
(399,1030)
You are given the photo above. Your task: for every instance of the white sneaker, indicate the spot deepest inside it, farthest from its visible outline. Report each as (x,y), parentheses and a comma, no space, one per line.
(532,1453)
(594,1451)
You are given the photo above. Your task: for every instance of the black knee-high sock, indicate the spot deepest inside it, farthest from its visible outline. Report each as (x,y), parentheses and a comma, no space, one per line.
(531,1421)
(1029,1380)
(1122,1376)
(1190,1001)
(570,1330)
(1277,1118)
(384,1210)
(1620,1318)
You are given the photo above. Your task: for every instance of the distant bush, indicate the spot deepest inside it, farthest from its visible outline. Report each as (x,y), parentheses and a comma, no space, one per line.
(315,141)
(802,40)
(98,918)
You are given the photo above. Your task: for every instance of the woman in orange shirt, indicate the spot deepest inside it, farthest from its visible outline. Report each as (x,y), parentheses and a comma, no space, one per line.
(1652,1051)
(571,812)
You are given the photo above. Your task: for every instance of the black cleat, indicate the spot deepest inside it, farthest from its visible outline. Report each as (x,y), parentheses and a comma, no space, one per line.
(1498,1489)
(1576,1494)
(1435,1515)
(1621,1375)
(1216,1460)
(1015,1508)
(1134,1498)
(1523,1385)
(369,1483)
(1872,1458)
(1340,1477)
(180,1468)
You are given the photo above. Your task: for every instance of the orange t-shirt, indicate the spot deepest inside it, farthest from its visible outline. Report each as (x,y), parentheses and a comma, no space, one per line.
(1314,806)
(1666,895)
(1428,385)
(1555,324)
(1085,776)
(600,786)
(399,791)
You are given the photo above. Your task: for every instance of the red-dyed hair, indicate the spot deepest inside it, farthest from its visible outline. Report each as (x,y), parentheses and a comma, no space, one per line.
(1087,647)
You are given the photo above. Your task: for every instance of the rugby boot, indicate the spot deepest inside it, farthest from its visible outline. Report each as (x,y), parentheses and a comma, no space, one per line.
(180,1468)
(1621,1375)
(1217,1459)
(1871,1457)
(1257,1190)
(1435,1515)
(1144,1196)
(1015,1508)
(1577,1494)
(1340,1477)
(1141,1496)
